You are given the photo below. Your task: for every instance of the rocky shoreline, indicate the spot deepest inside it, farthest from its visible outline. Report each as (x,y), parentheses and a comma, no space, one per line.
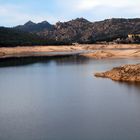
(127,73)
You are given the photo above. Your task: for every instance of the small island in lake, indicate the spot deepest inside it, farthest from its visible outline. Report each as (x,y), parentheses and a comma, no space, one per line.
(129,73)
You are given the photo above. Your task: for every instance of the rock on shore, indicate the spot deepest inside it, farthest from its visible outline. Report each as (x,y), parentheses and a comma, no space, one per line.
(129,73)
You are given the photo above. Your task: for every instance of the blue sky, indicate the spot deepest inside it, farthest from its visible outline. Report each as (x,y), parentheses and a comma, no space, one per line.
(14,12)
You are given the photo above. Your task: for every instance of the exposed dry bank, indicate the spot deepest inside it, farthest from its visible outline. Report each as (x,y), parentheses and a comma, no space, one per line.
(100,50)
(102,54)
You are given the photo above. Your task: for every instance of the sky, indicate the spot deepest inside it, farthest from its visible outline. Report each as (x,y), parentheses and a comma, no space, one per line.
(15,12)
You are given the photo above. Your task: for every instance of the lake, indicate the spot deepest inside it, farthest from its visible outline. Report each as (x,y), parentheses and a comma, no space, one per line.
(60,99)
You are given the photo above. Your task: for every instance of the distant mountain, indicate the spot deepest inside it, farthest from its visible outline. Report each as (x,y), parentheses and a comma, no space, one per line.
(33,27)
(110,29)
(83,31)
(79,30)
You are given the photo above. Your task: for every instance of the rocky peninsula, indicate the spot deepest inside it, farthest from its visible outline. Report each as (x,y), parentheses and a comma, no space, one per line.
(127,73)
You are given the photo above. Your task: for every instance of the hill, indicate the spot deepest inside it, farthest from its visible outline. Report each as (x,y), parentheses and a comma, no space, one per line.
(79,30)
(10,37)
(83,31)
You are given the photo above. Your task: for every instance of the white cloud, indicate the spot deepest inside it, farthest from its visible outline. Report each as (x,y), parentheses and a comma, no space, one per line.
(85,5)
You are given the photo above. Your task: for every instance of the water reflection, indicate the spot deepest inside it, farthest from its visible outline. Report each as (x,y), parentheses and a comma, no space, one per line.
(59,60)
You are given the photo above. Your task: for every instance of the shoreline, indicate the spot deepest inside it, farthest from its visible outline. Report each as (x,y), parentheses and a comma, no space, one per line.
(97,51)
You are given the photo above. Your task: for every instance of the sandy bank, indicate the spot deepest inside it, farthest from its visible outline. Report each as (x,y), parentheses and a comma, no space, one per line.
(36,51)
(102,54)
(100,50)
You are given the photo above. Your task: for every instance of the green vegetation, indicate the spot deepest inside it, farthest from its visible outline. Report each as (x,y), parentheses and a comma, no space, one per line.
(11,37)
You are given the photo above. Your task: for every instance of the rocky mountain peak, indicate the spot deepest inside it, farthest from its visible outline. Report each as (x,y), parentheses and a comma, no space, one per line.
(81,20)
(44,22)
(29,23)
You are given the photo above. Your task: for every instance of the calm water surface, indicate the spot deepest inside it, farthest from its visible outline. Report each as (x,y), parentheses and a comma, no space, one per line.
(60,99)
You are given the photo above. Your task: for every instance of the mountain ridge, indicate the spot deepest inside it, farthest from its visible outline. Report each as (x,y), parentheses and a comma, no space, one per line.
(83,31)
(78,30)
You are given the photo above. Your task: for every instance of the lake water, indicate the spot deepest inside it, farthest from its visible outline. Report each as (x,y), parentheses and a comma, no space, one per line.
(60,99)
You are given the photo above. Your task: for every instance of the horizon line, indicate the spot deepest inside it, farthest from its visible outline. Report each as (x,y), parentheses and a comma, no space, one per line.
(69,20)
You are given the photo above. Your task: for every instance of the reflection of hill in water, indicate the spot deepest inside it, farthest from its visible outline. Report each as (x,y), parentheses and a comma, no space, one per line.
(72,60)
(59,60)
